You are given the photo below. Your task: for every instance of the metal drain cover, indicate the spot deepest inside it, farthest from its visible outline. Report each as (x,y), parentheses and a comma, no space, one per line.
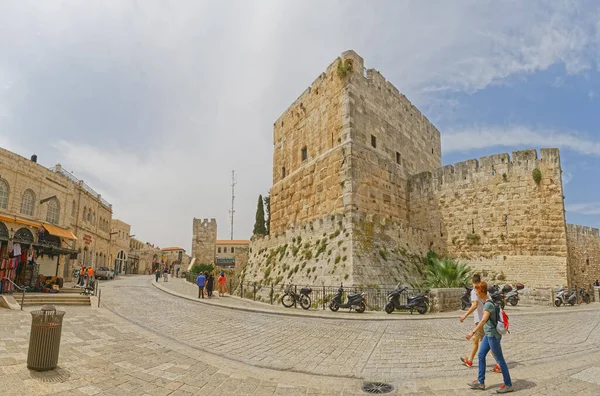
(377,388)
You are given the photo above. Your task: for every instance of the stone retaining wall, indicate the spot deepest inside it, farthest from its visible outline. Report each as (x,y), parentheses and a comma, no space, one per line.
(443,300)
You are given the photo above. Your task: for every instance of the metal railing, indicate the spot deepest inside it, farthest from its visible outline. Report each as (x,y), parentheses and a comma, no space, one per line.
(18,287)
(320,295)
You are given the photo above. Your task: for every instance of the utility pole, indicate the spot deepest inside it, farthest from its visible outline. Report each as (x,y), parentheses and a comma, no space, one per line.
(232,211)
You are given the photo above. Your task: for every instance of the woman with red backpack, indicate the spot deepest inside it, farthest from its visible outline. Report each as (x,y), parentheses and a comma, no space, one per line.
(491,341)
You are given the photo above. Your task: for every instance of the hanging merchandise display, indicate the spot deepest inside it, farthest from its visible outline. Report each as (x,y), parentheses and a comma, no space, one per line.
(8,272)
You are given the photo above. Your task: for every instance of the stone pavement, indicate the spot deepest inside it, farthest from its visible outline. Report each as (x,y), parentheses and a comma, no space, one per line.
(158,344)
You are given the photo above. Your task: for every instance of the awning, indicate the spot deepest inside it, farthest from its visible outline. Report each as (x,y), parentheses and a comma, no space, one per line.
(59,232)
(19,221)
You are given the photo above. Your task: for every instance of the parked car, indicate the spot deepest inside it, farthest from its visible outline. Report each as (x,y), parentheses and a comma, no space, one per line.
(105,273)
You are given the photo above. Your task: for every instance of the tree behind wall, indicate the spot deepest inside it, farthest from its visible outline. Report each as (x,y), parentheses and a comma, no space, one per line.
(259,225)
(267,200)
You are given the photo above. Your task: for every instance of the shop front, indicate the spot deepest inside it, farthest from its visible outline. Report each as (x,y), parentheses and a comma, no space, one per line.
(32,253)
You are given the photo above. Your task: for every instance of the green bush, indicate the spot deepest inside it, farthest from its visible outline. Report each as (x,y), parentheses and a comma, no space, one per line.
(447,273)
(197,268)
(537,175)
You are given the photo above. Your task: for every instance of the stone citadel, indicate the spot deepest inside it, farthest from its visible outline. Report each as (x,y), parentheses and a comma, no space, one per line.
(360,196)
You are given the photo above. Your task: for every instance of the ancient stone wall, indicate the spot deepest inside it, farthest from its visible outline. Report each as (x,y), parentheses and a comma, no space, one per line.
(352,249)
(309,162)
(494,215)
(313,191)
(584,255)
(204,241)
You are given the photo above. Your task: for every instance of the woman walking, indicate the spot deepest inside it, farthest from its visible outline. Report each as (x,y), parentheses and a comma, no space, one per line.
(491,340)
(210,283)
(222,281)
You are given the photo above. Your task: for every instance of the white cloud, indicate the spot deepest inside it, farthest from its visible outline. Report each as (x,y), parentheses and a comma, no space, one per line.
(471,138)
(591,208)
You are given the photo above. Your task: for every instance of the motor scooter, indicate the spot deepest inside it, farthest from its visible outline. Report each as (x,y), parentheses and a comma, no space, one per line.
(497,295)
(465,300)
(564,296)
(584,296)
(512,293)
(419,303)
(358,301)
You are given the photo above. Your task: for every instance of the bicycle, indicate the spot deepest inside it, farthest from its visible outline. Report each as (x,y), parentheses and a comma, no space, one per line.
(290,298)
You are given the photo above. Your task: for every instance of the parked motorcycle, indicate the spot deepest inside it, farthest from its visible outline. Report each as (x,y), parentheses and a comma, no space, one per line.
(356,301)
(564,296)
(419,303)
(497,295)
(290,297)
(584,296)
(512,294)
(465,300)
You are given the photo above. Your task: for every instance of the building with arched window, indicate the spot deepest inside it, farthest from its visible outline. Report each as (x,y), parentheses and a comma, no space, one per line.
(50,212)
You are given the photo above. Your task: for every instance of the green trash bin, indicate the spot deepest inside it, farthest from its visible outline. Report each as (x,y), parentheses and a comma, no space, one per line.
(44,340)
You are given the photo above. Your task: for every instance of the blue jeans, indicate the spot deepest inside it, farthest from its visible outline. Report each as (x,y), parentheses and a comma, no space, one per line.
(492,343)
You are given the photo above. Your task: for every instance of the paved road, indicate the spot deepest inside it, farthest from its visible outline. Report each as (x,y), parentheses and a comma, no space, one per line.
(394,351)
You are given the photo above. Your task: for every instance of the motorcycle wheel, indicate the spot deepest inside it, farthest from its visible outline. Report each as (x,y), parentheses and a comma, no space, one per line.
(305,302)
(389,308)
(464,306)
(557,302)
(361,307)
(334,306)
(288,300)
(513,302)
(421,309)
(587,299)
(572,302)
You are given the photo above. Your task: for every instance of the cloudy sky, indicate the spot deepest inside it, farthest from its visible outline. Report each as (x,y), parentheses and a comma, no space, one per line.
(153,103)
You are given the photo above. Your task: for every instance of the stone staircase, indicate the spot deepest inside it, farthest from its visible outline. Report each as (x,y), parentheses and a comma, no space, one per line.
(65,297)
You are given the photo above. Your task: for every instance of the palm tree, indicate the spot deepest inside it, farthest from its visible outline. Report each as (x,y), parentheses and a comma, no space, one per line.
(447,273)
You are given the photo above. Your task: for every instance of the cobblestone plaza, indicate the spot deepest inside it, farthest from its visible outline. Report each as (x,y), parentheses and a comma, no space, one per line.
(144,341)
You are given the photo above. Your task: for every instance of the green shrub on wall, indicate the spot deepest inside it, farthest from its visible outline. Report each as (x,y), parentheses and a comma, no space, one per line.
(537,175)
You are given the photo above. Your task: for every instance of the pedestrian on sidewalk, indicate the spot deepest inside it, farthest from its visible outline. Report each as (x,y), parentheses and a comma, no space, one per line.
(477,311)
(491,340)
(222,281)
(201,281)
(210,283)
(90,276)
(81,276)
(166,275)
(157,275)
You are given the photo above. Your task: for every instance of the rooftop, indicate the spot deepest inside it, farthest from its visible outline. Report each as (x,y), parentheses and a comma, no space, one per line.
(233,242)
(172,248)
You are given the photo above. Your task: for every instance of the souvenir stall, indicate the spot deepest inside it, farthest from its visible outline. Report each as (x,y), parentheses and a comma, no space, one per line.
(17,259)
(30,264)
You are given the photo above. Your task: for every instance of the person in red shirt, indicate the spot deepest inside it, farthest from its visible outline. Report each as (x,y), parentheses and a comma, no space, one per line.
(222,281)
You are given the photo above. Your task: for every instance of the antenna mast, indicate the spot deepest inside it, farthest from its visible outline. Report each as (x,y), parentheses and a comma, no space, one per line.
(232,211)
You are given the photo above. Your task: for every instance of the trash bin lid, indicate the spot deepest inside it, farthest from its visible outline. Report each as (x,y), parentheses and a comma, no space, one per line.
(48,308)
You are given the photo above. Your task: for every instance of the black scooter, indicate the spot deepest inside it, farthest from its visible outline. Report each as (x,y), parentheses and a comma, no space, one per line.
(419,303)
(497,295)
(465,300)
(355,300)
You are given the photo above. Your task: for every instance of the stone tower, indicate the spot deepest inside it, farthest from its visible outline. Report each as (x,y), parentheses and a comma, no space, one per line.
(360,196)
(204,241)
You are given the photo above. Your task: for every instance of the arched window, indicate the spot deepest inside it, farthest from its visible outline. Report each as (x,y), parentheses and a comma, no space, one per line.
(3,194)
(73,209)
(89,216)
(84,213)
(28,203)
(53,211)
